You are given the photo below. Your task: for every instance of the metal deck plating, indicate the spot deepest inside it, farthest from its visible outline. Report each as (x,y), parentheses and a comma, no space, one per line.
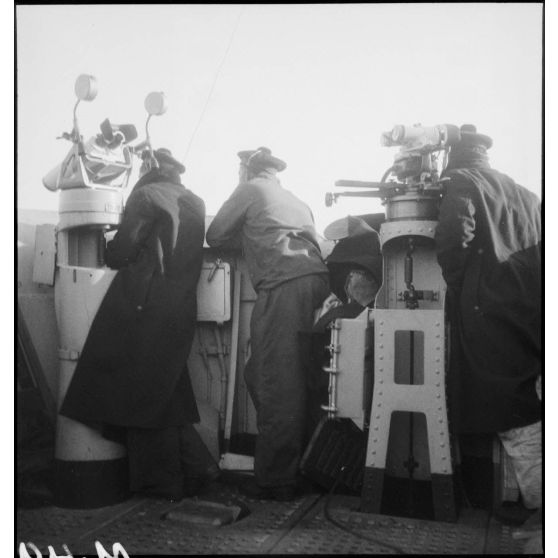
(298,527)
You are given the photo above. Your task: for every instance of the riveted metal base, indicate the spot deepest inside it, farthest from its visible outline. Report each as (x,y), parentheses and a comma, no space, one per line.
(372,490)
(375,497)
(443,497)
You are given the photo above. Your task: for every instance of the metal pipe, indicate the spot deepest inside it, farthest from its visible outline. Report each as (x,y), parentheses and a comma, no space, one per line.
(223,367)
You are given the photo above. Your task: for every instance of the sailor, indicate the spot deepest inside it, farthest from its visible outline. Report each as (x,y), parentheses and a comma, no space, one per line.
(131,381)
(489,248)
(280,244)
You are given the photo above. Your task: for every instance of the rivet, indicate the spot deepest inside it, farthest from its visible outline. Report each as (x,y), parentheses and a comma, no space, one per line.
(379,405)
(445,470)
(381,381)
(380,393)
(381,323)
(381,358)
(438,336)
(437,323)
(437,348)
(381,369)
(376,428)
(442,445)
(440,420)
(430,230)
(438,396)
(378,416)
(437,371)
(439,408)
(437,384)
(444,457)
(373,453)
(375,440)
(381,346)
(437,360)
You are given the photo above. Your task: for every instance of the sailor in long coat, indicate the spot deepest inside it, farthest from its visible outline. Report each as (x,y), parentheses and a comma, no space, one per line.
(131,380)
(277,234)
(489,248)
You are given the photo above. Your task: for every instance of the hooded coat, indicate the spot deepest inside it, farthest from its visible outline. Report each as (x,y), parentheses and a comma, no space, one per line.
(132,371)
(489,248)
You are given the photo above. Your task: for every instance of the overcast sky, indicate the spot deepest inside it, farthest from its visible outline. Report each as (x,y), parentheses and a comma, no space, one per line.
(315,83)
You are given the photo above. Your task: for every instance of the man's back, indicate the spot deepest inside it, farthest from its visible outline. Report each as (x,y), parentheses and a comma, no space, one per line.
(488,242)
(277,231)
(507,215)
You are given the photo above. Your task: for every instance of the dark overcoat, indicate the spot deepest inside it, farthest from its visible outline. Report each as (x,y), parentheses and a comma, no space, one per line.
(132,371)
(489,248)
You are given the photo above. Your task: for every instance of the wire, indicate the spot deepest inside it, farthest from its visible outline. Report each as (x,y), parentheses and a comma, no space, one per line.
(213,84)
(327,515)
(387,173)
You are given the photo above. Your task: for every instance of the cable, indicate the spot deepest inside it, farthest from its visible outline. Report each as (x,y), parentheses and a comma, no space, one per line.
(387,173)
(327,515)
(213,84)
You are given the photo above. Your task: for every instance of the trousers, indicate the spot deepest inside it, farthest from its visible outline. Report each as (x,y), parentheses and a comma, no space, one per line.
(523,445)
(275,375)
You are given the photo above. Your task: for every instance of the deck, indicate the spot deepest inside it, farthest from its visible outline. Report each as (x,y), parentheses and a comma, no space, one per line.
(317,523)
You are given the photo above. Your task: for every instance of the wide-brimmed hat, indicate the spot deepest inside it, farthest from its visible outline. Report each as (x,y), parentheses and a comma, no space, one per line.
(471,138)
(362,250)
(164,156)
(353,225)
(261,158)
